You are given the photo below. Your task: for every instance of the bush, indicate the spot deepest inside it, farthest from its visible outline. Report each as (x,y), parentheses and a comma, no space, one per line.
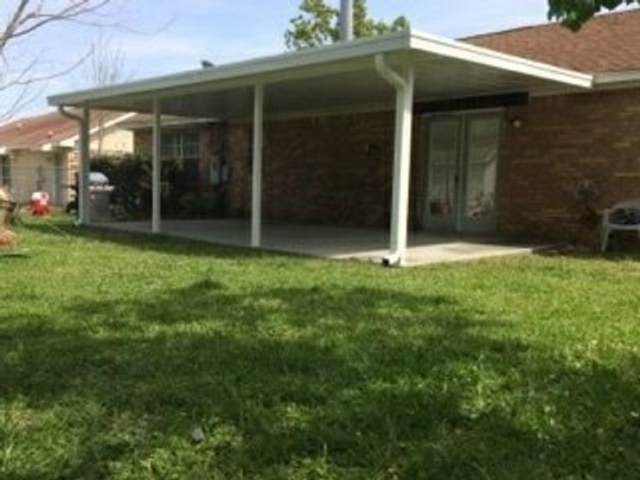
(131,177)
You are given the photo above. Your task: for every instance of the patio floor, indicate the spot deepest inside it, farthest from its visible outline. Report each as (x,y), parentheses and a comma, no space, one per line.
(335,242)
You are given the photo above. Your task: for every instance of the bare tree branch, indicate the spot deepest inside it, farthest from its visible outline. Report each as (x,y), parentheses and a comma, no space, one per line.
(19,73)
(106,63)
(30,15)
(105,66)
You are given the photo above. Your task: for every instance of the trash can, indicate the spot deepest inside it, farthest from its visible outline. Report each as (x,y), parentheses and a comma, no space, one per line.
(100,202)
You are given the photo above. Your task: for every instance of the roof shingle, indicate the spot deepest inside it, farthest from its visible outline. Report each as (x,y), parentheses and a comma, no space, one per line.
(49,128)
(607,43)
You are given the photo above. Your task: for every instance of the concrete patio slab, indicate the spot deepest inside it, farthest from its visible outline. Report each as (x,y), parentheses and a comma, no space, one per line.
(334,242)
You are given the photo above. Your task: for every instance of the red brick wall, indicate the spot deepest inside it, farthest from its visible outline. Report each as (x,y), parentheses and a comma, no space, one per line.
(329,170)
(564,140)
(337,169)
(238,155)
(323,170)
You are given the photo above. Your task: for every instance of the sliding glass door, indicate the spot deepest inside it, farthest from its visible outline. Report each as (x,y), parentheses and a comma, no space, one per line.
(460,184)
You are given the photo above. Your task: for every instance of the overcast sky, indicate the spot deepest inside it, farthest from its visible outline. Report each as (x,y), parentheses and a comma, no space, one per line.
(166,36)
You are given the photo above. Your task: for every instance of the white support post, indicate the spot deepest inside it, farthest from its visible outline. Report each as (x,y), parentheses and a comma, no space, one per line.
(84,195)
(256,189)
(402,166)
(156,170)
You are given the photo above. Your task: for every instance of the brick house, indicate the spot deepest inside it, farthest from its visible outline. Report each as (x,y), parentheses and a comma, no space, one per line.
(506,130)
(39,152)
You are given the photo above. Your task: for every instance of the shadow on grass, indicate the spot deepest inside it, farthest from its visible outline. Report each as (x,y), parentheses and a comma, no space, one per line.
(321,382)
(13,255)
(145,241)
(622,247)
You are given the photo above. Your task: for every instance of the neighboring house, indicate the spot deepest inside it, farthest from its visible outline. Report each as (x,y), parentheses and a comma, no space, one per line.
(515,143)
(39,153)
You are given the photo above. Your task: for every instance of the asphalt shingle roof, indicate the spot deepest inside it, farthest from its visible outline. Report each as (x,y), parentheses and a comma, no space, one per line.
(37,131)
(607,43)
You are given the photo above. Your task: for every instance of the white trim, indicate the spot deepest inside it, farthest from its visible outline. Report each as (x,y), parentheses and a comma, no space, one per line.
(491,58)
(168,123)
(617,80)
(253,68)
(313,61)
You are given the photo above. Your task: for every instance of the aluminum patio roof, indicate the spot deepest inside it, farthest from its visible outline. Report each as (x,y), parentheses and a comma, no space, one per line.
(335,77)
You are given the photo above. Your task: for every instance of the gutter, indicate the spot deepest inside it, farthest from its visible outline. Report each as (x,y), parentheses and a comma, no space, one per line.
(389,75)
(404,102)
(621,79)
(70,115)
(84,158)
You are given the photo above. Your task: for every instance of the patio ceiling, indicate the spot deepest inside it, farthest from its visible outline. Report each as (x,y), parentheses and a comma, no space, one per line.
(336,77)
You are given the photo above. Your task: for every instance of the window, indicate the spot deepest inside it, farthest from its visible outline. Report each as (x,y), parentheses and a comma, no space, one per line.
(184,147)
(5,170)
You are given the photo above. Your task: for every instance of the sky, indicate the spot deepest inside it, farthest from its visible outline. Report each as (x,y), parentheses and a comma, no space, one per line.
(158,37)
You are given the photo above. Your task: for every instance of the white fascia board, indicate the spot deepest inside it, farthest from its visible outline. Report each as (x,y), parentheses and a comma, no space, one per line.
(115,121)
(69,142)
(483,56)
(254,69)
(182,123)
(612,79)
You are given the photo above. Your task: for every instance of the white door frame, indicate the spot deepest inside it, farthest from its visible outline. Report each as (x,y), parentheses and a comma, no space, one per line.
(463,118)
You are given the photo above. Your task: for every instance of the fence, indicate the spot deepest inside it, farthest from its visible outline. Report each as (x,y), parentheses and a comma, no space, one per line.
(51,177)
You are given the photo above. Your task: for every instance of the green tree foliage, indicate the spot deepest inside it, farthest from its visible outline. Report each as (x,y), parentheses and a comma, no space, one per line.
(574,13)
(317,24)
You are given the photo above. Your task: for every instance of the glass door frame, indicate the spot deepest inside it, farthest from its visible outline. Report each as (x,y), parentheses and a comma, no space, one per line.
(462,165)
(426,148)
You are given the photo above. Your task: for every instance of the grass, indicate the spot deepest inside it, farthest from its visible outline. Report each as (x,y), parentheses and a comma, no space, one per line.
(114,347)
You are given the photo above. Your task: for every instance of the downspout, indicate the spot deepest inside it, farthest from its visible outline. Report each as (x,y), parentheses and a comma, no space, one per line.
(83,157)
(404,109)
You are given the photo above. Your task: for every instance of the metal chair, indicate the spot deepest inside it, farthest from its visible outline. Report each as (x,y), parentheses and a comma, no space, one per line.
(623,216)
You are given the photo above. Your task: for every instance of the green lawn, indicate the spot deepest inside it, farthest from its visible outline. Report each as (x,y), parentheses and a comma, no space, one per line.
(114,347)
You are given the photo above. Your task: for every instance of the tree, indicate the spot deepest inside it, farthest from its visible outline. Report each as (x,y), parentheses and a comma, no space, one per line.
(318,24)
(19,71)
(574,13)
(106,65)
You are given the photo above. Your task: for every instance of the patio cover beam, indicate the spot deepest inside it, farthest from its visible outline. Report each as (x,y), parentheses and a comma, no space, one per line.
(256,184)
(156,169)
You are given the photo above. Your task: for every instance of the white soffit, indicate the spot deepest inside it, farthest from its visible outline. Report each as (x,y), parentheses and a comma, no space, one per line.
(340,75)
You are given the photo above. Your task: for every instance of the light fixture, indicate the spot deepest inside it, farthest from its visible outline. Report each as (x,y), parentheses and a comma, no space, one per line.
(516,122)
